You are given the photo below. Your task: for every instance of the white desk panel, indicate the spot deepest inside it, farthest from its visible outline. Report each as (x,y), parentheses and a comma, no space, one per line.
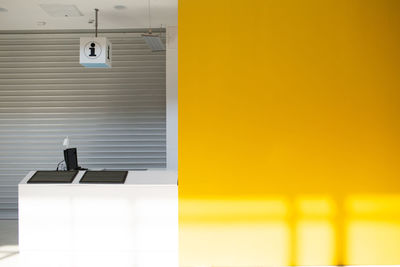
(85,224)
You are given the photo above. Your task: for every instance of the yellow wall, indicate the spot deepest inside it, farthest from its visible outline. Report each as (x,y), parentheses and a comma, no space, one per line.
(289,132)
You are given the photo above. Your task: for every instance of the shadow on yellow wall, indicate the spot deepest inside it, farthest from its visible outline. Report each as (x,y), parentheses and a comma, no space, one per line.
(290,230)
(289,132)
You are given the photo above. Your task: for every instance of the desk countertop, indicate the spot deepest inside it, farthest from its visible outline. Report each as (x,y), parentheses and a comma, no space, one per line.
(148,177)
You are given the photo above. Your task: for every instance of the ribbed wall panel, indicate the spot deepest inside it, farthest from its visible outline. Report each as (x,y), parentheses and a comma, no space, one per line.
(115,117)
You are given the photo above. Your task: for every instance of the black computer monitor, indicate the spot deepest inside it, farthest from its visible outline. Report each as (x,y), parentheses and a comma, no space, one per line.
(71,159)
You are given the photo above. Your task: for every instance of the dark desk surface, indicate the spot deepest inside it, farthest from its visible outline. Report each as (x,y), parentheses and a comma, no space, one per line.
(53,177)
(104,177)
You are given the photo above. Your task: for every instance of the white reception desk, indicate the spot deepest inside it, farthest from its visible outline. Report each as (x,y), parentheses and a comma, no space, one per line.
(84,225)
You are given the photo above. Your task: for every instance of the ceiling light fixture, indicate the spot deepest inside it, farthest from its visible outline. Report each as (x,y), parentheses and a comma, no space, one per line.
(120,7)
(153,40)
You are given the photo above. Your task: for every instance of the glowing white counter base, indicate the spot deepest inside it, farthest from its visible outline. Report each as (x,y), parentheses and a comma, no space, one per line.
(84,225)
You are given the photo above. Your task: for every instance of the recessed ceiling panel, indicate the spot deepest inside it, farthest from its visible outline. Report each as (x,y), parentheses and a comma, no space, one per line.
(76,14)
(60,10)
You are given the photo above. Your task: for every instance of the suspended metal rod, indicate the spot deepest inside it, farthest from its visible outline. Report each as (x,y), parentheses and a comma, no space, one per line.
(149,12)
(97,11)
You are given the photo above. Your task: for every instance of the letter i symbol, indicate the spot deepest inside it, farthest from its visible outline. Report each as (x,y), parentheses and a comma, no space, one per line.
(92,49)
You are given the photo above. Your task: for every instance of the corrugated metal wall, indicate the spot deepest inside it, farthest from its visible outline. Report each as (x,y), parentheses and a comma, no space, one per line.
(115,117)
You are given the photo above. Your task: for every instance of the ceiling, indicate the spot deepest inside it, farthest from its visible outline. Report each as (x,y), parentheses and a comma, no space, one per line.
(28,14)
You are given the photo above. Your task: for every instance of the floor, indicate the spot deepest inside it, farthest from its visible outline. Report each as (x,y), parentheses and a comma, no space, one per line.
(8,243)
(9,256)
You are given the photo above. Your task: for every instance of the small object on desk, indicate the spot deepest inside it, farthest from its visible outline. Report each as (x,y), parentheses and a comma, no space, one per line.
(53,177)
(71,159)
(104,177)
